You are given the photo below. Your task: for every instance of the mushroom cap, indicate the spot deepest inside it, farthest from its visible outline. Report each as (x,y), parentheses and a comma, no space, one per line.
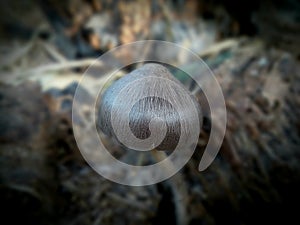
(148,107)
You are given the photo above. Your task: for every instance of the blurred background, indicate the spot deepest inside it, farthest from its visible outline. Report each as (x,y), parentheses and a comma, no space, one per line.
(252,48)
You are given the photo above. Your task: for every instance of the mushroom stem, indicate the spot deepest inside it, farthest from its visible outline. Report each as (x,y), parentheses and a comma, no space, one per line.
(178,187)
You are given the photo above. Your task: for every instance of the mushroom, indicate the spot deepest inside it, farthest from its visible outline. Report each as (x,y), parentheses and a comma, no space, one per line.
(149,114)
